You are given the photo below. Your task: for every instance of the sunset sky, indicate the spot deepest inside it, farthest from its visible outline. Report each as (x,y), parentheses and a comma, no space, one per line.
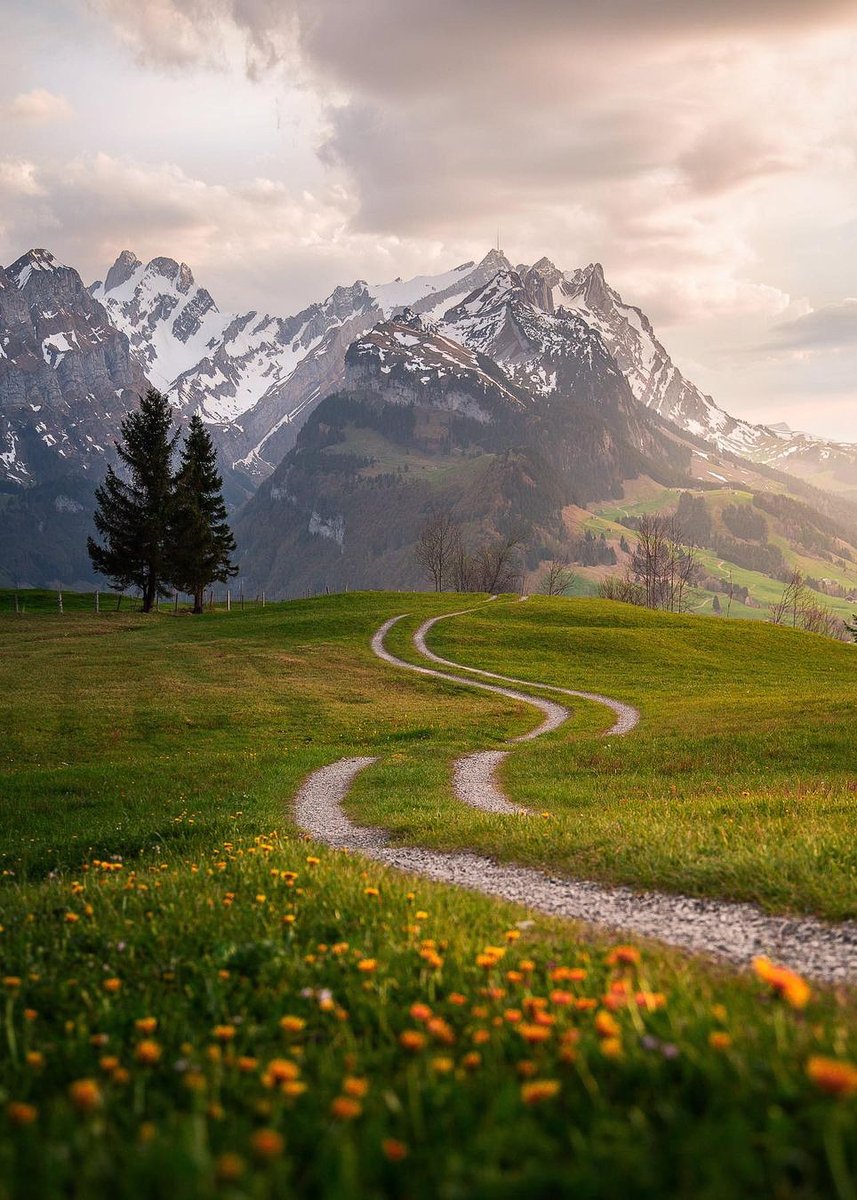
(705,151)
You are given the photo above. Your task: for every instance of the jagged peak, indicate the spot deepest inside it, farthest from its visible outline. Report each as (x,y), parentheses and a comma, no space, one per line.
(37,259)
(495,260)
(123,268)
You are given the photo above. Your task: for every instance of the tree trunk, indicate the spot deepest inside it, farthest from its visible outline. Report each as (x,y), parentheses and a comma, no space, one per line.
(149,594)
(198,599)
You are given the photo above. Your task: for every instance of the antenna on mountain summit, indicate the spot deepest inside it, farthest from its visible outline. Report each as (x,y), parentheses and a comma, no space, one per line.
(498,239)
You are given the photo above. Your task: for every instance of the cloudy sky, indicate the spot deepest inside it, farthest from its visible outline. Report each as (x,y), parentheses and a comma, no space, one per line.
(705,151)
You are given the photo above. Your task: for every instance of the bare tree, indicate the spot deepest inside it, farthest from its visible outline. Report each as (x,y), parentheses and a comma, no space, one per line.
(497,566)
(437,545)
(622,587)
(663,562)
(557,578)
(799,608)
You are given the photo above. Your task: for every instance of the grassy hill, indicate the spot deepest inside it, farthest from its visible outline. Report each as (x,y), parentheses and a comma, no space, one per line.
(200,1001)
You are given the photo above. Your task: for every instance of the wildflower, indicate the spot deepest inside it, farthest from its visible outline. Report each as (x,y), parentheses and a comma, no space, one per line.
(420,1012)
(651,1001)
(367,965)
(20,1113)
(533,1033)
(394,1150)
(35,1059)
(85,1095)
(512,1015)
(371,891)
(412,1039)
(312,861)
(229,1168)
(97,1039)
(246,1064)
(526,1068)
(718,1039)
(147,1132)
(112,986)
(472,1060)
(421,916)
(833,1076)
(442,1066)
(289,919)
(352,1085)
(146,1025)
(11,983)
(432,958)
(536,1090)
(560,998)
(481,1036)
(267,1143)
(440,1030)
(606,1025)
(567,975)
(120,1076)
(791,986)
(457,998)
(611,1047)
(279,1070)
(71,918)
(512,935)
(148,1052)
(108,1063)
(195,1081)
(623,955)
(224,1033)
(291,1024)
(346,1108)
(293,1087)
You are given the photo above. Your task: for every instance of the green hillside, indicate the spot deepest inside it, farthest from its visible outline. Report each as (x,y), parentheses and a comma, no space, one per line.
(199,1001)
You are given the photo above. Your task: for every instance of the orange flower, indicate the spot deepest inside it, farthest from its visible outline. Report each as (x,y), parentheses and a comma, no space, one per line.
(561,998)
(30,1014)
(791,986)
(440,1030)
(35,1059)
(354,1086)
(442,1066)
(394,1150)
(718,1039)
(472,1060)
(624,955)
(112,986)
(536,1090)
(833,1076)
(148,1053)
(292,1024)
(367,965)
(85,1095)
(11,982)
(420,1012)
(534,1033)
(346,1108)
(267,1143)
(108,1063)
(457,998)
(611,1047)
(606,1025)
(224,1033)
(567,975)
(229,1168)
(246,1064)
(146,1025)
(279,1070)
(20,1113)
(412,1039)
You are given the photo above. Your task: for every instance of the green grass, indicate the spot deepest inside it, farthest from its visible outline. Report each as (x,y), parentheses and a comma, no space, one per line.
(738,782)
(172,747)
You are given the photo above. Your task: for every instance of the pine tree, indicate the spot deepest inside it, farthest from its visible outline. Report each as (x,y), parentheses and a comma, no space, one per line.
(133,516)
(200,539)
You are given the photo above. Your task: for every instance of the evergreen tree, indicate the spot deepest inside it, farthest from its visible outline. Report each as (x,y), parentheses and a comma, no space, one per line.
(132,516)
(201,542)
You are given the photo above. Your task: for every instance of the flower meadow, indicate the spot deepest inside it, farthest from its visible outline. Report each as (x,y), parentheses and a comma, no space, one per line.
(266,1020)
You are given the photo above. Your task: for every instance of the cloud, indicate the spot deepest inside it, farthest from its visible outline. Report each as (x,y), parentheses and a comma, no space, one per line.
(38,107)
(831,327)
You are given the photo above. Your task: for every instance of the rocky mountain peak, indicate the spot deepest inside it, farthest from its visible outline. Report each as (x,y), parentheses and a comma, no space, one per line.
(34,261)
(495,260)
(539,280)
(122,270)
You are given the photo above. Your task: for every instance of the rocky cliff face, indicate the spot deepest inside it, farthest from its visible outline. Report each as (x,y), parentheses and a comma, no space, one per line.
(67,375)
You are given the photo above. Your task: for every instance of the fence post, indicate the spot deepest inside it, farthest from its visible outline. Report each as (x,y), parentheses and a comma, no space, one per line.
(263,599)
(177,601)
(97,601)
(59,598)
(228,600)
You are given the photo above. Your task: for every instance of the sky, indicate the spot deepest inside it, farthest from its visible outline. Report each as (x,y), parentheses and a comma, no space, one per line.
(705,151)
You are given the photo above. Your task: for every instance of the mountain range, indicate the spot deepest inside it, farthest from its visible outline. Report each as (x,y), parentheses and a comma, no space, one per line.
(521,349)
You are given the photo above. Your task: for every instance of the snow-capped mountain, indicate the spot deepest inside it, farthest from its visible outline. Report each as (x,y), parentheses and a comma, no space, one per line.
(67,375)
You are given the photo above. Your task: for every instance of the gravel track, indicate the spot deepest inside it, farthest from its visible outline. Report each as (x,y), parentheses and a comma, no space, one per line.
(726,930)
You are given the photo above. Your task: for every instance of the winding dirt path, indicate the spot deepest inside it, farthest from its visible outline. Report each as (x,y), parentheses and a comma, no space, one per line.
(732,931)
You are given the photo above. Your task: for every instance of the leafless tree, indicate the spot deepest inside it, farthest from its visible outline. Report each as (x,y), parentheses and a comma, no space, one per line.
(437,546)
(799,608)
(557,578)
(621,587)
(496,566)
(663,562)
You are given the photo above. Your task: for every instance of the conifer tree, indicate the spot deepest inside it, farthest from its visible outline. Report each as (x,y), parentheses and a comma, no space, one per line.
(132,515)
(201,542)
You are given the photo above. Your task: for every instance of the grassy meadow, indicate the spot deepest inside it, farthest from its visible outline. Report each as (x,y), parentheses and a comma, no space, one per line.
(198,1001)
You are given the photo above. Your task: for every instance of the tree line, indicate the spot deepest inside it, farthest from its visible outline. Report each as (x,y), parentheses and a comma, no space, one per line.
(162,529)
